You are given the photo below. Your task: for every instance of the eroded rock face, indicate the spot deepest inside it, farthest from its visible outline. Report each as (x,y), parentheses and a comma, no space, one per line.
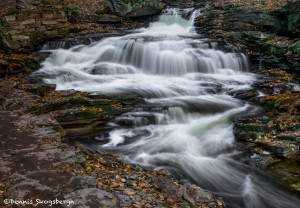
(258,27)
(261,29)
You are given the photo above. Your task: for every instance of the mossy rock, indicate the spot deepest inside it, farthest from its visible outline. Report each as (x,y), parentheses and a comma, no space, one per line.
(253,128)
(249,136)
(289,136)
(76,116)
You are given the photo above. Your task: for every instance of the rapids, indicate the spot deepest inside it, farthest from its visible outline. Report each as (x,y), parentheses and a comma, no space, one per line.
(169,64)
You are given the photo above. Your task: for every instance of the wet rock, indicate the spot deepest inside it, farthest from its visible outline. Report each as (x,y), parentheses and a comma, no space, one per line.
(256,127)
(79,116)
(244,94)
(284,149)
(289,172)
(265,132)
(195,194)
(262,161)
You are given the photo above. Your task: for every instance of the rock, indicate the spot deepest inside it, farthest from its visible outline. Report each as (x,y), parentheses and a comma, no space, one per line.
(264,29)
(194,194)
(137,8)
(109,19)
(262,161)
(288,172)
(92,197)
(26,24)
(17,63)
(244,94)
(289,19)
(284,149)
(80,116)
(241,19)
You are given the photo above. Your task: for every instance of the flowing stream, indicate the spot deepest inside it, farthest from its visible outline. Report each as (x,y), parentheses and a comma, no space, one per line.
(188,82)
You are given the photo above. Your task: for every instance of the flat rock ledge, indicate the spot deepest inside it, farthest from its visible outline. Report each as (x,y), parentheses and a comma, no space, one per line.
(35,166)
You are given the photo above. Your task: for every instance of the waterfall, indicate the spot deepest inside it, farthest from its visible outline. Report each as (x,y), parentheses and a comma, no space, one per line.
(192,77)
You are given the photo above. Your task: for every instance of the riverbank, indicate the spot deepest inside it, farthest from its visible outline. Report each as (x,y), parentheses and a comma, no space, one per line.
(268,32)
(36,164)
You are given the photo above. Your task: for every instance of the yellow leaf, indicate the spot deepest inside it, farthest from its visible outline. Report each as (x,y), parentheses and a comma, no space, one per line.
(88,169)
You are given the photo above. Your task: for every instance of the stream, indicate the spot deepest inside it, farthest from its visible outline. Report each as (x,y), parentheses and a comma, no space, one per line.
(186,127)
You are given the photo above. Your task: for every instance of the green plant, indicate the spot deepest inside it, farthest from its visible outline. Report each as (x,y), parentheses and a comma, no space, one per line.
(71,10)
(296,47)
(273,50)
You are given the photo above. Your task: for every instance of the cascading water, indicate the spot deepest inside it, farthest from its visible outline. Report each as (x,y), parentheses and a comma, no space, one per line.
(192,78)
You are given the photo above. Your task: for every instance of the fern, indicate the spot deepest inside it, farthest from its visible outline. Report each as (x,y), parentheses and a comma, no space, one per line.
(296,47)
(71,10)
(273,50)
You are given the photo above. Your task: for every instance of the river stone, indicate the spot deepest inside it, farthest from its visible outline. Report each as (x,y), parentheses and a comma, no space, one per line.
(194,194)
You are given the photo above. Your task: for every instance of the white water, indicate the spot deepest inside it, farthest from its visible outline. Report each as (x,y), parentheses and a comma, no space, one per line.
(170,65)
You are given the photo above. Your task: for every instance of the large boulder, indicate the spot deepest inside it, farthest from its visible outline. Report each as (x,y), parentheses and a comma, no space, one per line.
(289,19)
(135,8)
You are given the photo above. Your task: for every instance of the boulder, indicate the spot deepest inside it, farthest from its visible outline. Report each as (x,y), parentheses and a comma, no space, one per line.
(289,19)
(250,20)
(137,8)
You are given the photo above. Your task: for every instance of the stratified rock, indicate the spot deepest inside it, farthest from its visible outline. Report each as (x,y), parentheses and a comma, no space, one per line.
(79,116)
(109,19)
(137,8)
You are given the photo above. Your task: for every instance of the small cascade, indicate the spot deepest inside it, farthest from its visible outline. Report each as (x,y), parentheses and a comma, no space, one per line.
(187,123)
